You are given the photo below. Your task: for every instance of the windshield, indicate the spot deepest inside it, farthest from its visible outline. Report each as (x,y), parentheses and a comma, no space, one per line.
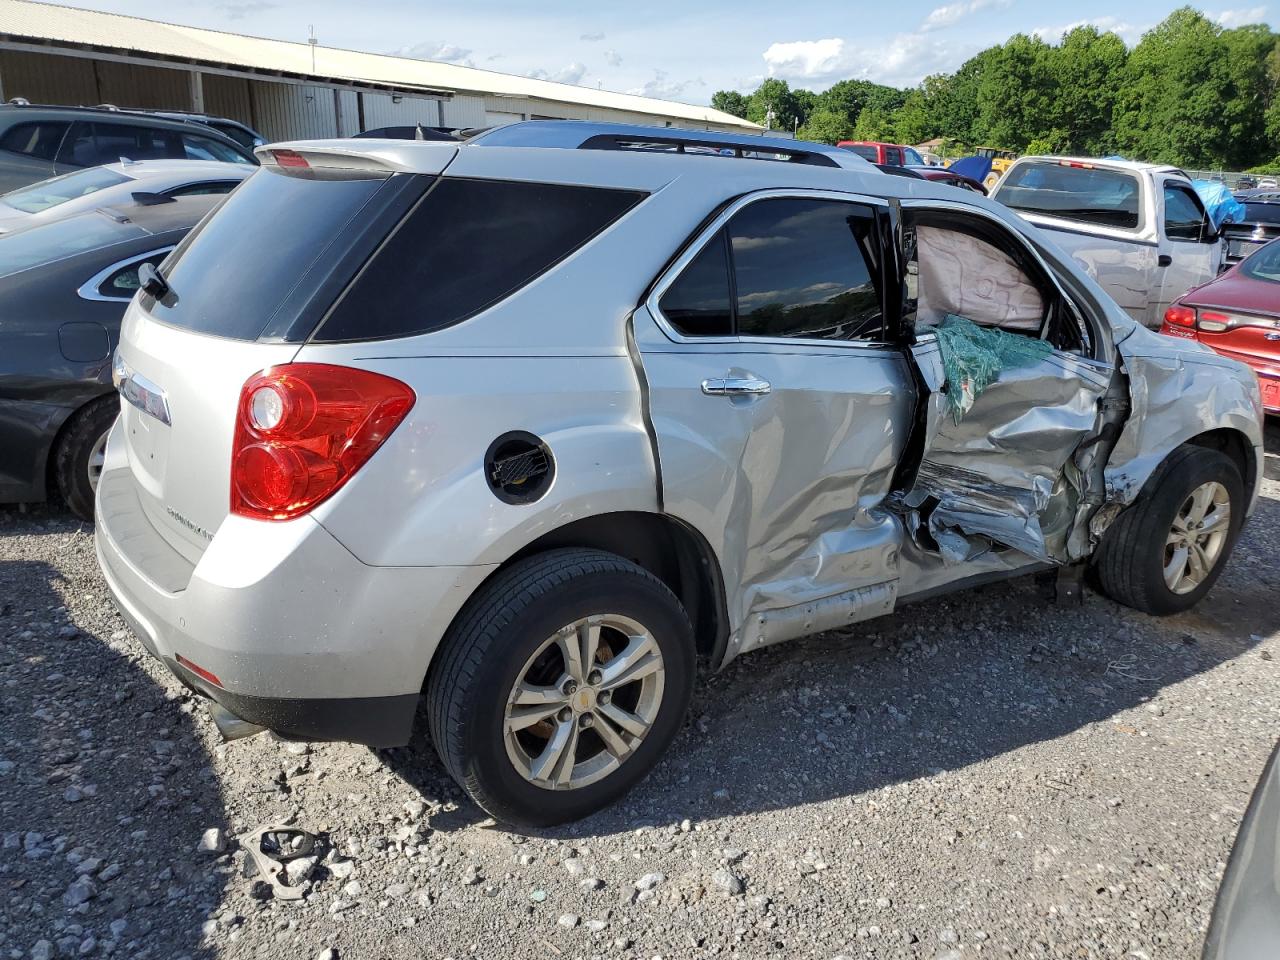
(1087,194)
(1265,264)
(69,186)
(60,239)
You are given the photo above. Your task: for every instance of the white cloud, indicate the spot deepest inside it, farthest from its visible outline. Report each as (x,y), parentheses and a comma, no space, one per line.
(1238,18)
(663,87)
(801,59)
(441,52)
(571,73)
(238,11)
(1128,32)
(950,14)
(592,37)
(613,58)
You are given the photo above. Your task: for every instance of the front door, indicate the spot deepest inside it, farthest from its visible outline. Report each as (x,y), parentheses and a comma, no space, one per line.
(781,408)
(1190,250)
(995,465)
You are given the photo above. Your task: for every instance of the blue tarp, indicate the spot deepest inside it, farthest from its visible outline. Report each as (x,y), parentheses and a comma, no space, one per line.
(975,167)
(1219,202)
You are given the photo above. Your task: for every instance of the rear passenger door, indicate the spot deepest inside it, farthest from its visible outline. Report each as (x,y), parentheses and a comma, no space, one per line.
(780,408)
(1000,467)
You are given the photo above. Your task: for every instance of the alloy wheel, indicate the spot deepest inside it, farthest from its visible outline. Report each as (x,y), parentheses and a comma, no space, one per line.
(1198,537)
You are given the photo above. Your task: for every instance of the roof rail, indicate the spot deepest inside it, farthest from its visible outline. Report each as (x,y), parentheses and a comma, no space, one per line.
(588,135)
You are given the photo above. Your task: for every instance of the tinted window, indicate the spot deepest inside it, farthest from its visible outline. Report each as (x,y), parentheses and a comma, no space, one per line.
(92,144)
(698,303)
(1262,212)
(196,147)
(124,282)
(1089,195)
(236,270)
(57,190)
(39,140)
(201,189)
(805,268)
(63,238)
(237,133)
(867,153)
(1265,264)
(893,155)
(466,246)
(1183,218)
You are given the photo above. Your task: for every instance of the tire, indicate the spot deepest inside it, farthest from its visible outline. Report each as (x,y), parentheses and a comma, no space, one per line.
(495,642)
(1131,561)
(89,426)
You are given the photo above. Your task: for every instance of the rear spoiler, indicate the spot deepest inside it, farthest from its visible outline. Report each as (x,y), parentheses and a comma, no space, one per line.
(369,157)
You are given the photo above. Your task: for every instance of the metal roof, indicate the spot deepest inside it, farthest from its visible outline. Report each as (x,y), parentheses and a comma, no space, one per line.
(49,24)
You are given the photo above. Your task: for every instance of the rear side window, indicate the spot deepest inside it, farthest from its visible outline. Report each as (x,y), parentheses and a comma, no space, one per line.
(1085,194)
(700,302)
(92,144)
(196,147)
(467,245)
(806,268)
(38,140)
(258,255)
(1183,217)
(123,282)
(865,152)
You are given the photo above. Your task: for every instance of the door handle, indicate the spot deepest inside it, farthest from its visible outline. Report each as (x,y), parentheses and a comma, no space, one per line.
(736,387)
(1164,260)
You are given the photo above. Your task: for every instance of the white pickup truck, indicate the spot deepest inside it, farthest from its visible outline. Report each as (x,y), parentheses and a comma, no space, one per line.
(1139,228)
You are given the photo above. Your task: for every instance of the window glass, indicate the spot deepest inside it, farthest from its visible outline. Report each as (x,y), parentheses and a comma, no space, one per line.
(698,303)
(805,268)
(1183,218)
(58,190)
(39,140)
(1264,264)
(48,242)
(468,245)
(200,189)
(893,155)
(92,144)
(1262,212)
(911,156)
(196,147)
(864,151)
(237,133)
(236,269)
(1088,195)
(124,282)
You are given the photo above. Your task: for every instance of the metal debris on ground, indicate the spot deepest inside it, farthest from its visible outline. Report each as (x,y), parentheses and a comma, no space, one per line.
(273,848)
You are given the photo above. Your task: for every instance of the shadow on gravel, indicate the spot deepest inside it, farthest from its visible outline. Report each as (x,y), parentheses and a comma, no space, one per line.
(104,787)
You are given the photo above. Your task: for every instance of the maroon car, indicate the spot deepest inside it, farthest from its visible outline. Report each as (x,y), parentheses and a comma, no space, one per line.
(1238,315)
(943,175)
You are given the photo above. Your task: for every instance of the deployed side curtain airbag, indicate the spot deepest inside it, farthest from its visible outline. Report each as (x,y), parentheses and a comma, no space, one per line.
(963,275)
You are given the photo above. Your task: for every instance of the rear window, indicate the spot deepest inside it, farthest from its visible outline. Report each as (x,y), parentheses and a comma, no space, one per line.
(467,245)
(867,153)
(1265,264)
(1262,212)
(1088,195)
(69,186)
(260,254)
(25,249)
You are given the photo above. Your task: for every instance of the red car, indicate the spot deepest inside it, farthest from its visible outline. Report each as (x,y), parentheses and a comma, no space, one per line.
(943,175)
(894,154)
(1238,316)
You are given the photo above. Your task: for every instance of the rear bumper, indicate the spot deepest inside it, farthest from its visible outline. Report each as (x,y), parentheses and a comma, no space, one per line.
(300,636)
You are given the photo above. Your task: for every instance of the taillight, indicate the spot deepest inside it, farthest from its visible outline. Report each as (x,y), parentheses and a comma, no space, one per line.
(1213,321)
(290,158)
(303,429)
(1180,322)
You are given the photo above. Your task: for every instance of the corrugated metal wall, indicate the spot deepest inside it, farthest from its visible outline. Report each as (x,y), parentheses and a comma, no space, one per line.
(380,111)
(228,97)
(75,81)
(462,111)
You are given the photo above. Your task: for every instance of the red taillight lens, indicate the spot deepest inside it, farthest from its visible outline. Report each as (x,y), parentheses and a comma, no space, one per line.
(303,429)
(290,158)
(1180,316)
(1213,321)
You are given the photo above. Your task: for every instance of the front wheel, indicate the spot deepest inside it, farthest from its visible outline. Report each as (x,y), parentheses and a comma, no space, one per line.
(1166,551)
(560,686)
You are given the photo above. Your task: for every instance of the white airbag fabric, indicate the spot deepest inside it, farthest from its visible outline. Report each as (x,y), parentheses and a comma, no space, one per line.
(971,278)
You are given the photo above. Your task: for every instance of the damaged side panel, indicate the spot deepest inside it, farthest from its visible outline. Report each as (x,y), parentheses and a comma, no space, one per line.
(1004,474)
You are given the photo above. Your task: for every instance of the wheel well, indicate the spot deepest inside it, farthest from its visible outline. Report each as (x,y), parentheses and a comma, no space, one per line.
(672,551)
(1236,446)
(51,451)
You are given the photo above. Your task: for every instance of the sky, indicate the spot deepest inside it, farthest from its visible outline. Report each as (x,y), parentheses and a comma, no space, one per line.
(676,49)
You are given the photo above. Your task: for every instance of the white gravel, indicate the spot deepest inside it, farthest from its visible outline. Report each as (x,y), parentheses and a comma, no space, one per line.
(982,775)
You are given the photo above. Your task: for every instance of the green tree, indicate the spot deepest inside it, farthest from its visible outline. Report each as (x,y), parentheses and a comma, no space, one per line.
(730,101)
(1016,93)
(826,126)
(806,101)
(874,123)
(911,121)
(1089,70)
(773,95)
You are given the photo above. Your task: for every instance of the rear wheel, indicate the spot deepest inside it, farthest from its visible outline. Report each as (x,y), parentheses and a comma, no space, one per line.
(560,686)
(81,452)
(1166,551)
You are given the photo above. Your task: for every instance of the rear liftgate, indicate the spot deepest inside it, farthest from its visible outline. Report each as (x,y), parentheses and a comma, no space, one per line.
(1013,428)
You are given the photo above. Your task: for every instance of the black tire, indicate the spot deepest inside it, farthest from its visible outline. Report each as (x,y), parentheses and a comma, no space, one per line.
(71,460)
(484,651)
(1130,560)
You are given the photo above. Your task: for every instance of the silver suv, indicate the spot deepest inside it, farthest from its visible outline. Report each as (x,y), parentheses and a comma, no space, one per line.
(527,428)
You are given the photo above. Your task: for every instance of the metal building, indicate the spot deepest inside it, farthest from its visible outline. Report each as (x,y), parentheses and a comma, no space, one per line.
(55,54)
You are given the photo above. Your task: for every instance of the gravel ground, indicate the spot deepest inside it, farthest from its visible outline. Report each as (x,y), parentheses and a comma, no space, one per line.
(983,775)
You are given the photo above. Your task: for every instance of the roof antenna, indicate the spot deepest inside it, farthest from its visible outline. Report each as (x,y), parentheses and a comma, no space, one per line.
(312,41)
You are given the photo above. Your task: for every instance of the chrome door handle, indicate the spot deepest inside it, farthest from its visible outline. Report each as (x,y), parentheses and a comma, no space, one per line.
(736,387)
